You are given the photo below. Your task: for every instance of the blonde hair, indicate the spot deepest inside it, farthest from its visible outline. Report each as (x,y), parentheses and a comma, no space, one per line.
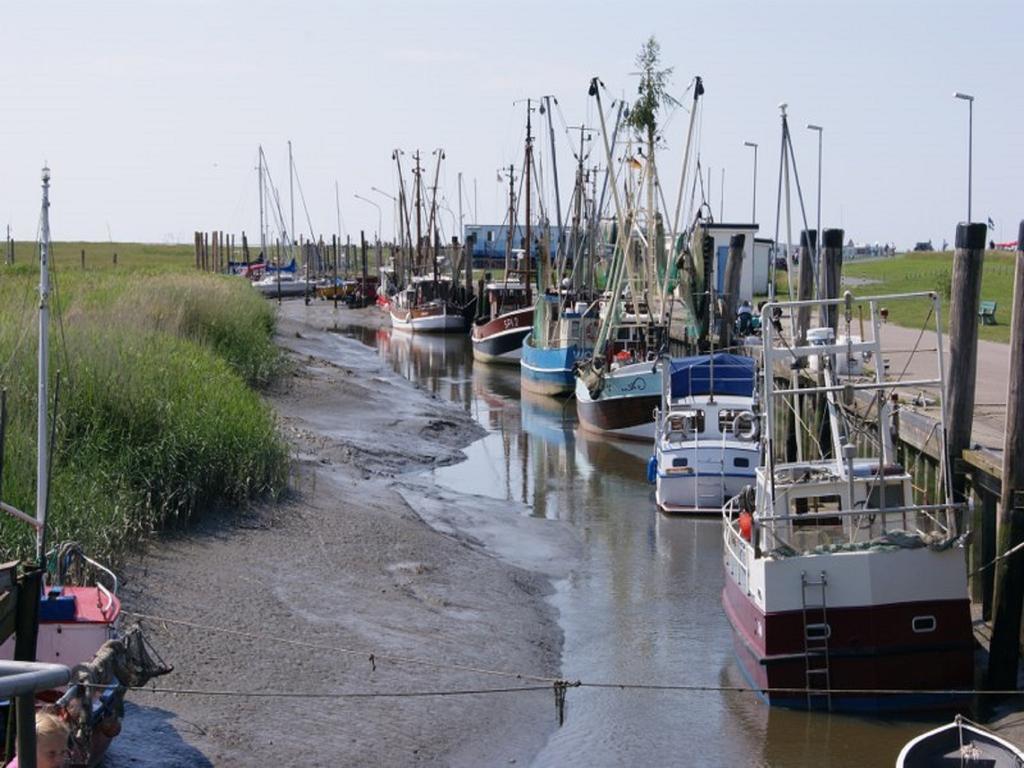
(49,726)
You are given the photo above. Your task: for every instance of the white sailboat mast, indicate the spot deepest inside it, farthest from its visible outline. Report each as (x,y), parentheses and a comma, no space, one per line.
(42,457)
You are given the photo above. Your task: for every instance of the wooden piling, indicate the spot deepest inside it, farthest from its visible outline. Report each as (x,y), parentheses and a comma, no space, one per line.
(731,287)
(362,249)
(245,248)
(470,246)
(198,246)
(83,258)
(829,274)
(965,294)
(805,287)
(1004,651)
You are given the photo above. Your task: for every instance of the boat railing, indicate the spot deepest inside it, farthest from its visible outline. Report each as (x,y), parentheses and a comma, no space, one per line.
(732,539)
(21,681)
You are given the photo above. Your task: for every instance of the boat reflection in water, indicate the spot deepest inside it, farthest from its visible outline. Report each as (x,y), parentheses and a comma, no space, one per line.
(643,601)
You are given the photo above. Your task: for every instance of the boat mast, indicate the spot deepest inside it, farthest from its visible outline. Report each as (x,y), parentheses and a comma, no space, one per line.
(554,169)
(529,165)
(42,454)
(432,228)
(417,185)
(511,218)
(291,194)
(263,226)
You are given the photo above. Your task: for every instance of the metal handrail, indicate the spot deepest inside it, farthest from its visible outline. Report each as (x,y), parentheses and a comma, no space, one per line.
(18,678)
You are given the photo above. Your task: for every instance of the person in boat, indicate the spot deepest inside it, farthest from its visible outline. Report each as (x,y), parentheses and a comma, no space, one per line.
(744,315)
(51,742)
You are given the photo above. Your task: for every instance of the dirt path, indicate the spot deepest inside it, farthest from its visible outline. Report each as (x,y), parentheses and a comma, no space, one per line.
(348,562)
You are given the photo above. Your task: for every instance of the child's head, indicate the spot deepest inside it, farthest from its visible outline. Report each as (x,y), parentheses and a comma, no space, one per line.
(51,741)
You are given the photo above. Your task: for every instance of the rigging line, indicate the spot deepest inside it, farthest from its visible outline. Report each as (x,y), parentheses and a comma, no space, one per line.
(330,695)
(612,686)
(338,649)
(58,310)
(302,197)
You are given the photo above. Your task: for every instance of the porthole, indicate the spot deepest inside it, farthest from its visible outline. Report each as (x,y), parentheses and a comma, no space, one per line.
(923,624)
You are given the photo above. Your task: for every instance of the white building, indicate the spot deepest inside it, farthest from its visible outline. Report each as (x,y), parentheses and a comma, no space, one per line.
(757,255)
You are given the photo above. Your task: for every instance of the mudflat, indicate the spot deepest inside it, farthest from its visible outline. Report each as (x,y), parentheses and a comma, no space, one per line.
(293,597)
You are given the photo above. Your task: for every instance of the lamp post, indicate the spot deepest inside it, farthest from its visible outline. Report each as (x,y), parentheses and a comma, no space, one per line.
(397,223)
(970,144)
(817,238)
(753,203)
(380,215)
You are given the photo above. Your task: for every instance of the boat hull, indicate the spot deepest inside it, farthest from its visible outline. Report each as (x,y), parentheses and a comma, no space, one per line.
(426,321)
(700,492)
(549,371)
(501,340)
(626,404)
(871,649)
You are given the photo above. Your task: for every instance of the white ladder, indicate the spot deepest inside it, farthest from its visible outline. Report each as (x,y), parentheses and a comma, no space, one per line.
(816,634)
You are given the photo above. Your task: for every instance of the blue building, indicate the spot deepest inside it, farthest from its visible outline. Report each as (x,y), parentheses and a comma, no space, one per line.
(492,240)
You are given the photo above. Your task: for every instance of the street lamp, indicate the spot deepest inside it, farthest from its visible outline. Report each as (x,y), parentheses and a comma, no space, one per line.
(970,144)
(817,238)
(753,204)
(380,216)
(397,223)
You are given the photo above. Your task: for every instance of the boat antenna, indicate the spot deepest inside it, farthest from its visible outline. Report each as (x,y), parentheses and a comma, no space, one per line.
(42,459)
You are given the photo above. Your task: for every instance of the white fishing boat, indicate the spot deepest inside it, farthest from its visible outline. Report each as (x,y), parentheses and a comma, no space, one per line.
(284,284)
(706,433)
(960,744)
(423,307)
(843,593)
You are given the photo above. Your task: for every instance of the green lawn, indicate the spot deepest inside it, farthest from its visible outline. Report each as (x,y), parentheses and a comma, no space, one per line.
(930,271)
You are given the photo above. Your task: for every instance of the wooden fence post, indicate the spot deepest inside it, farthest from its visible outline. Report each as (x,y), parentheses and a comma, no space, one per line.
(83,258)
(362,248)
(805,287)
(965,294)
(731,287)
(1004,651)
(830,273)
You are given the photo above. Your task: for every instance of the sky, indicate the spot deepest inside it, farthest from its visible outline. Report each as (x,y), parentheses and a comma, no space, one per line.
(150,113)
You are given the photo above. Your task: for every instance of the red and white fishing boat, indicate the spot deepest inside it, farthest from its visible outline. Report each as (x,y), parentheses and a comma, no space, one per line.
(498,336)
(842,592)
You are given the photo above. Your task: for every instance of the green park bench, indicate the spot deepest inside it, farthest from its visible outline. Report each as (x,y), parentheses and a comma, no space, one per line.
(987,312)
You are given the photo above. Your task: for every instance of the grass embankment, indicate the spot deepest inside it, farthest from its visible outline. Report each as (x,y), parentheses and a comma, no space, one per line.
(931,271)
(159,420)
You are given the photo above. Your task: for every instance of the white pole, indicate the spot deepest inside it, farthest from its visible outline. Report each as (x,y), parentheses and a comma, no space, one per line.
(42,455)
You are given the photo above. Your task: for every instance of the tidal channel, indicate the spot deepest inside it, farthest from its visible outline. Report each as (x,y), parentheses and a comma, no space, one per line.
(642,602)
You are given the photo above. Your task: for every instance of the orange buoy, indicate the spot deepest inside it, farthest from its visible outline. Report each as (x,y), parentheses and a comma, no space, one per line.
(746,524)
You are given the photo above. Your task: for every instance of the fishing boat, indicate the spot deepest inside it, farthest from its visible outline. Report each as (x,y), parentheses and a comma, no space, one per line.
(618,388)
(424,307)
(706,439)
(498,336)
(962,744)
(430,302)
(79,613)
(562,334)
(842,592)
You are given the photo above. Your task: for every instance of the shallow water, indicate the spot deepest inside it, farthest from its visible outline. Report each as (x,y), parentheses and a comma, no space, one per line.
(641,604)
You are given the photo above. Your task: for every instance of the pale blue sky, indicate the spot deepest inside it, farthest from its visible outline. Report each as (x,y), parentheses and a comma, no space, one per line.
(150,112)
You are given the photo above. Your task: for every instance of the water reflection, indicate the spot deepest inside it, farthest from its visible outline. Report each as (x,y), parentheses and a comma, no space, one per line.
(643,603)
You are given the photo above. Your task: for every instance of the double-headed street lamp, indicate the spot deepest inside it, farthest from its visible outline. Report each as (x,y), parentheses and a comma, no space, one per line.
(380,215)
(970,144)
(753,203)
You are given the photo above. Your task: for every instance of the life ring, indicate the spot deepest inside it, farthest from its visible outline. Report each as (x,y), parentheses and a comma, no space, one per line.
(622,356)
(745,426)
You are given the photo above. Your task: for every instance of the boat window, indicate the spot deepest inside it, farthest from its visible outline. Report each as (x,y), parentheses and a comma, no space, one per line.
(741,462)
(679,462)
(726,417)
(893,495)
(819,504)
(923,624)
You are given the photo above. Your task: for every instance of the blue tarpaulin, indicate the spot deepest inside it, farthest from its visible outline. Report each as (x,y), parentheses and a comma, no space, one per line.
(719,374)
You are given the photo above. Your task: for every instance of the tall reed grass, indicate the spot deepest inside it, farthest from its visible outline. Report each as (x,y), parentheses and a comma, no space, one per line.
(159,419)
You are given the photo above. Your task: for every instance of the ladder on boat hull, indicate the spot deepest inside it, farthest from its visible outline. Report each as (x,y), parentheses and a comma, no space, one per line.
(817,675)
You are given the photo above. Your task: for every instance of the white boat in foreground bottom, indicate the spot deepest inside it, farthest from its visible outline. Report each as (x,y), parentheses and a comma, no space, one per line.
(960,743)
